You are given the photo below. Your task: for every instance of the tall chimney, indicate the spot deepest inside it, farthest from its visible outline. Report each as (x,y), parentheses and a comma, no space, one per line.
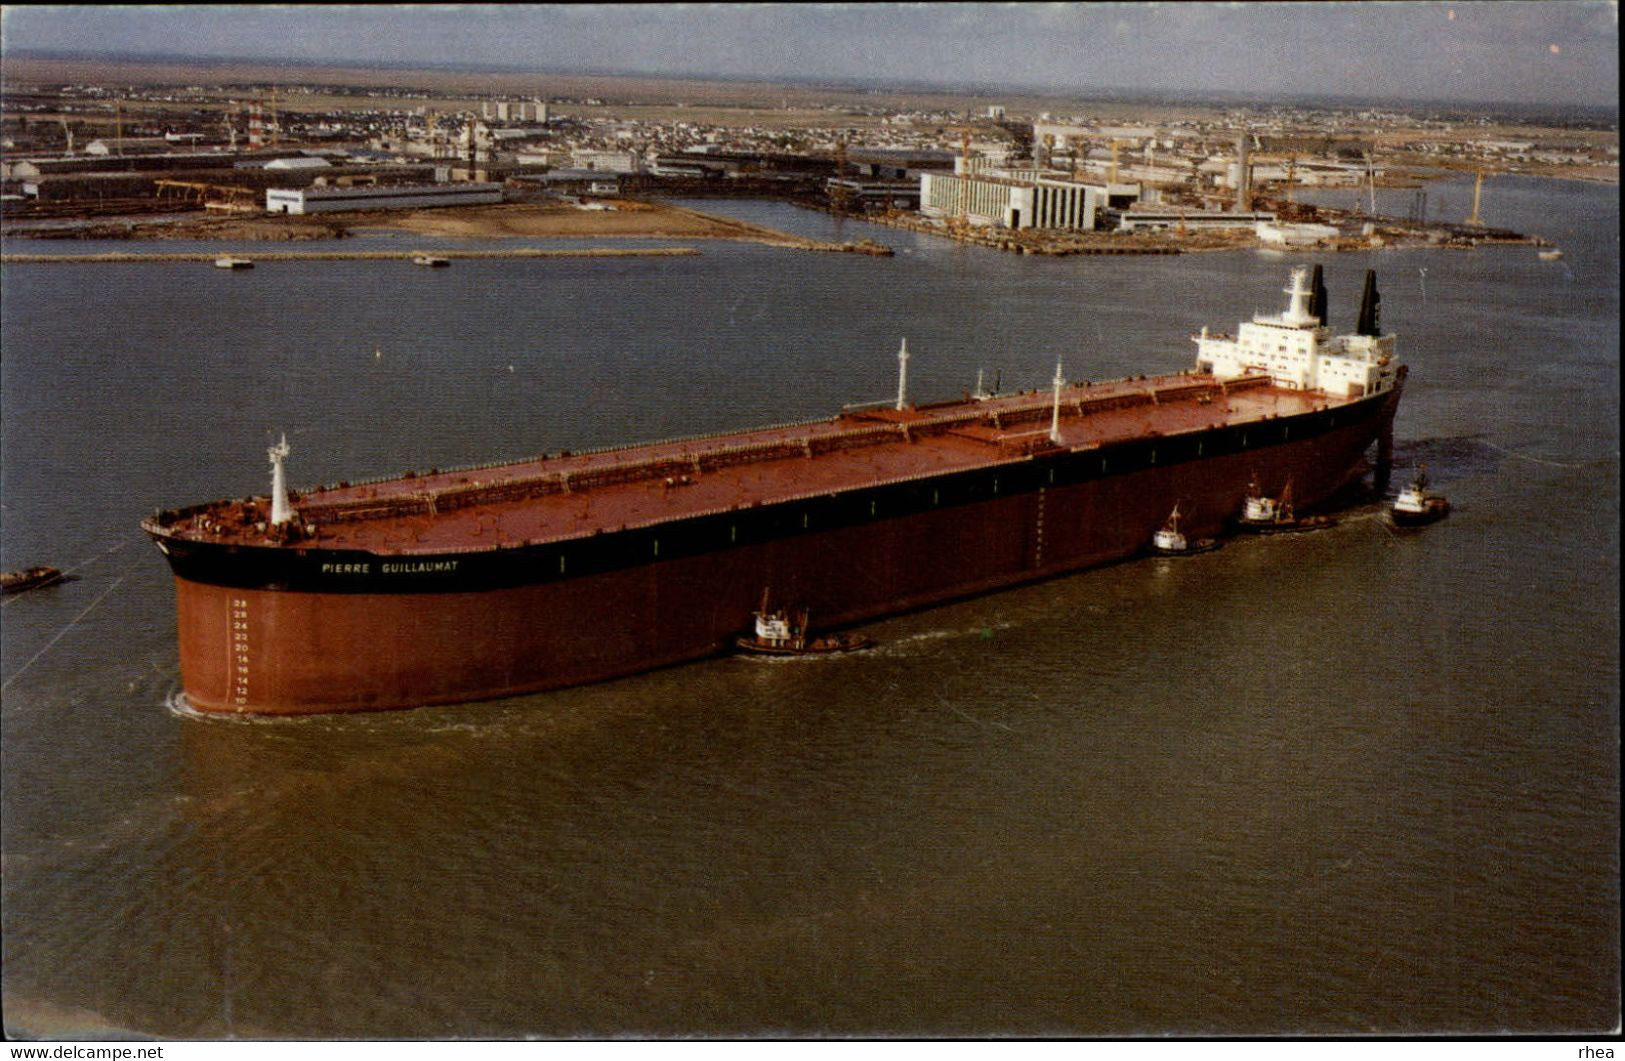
(1244,174)
(1370,322)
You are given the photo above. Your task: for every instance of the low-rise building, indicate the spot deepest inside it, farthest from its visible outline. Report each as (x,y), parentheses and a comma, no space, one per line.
(607,161)
(874,194)
(1164,218)
(380,197)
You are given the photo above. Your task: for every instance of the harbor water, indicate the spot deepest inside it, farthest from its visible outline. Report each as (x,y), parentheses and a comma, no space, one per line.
(1357,782)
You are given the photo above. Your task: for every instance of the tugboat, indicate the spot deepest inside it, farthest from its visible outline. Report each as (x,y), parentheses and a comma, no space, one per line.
(432,260)
(1268,515)
(1171,541)
(1551,254)
(780,634)
(1415,507)
(33,578)
(226,261)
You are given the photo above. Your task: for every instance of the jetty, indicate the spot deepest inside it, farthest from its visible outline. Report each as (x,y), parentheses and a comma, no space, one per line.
(340,256)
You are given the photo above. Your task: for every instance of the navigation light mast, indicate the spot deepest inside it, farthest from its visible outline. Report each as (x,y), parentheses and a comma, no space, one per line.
(281,511)
(902,377)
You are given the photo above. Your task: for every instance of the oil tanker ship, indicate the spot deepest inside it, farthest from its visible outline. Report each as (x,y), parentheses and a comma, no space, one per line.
(570,568)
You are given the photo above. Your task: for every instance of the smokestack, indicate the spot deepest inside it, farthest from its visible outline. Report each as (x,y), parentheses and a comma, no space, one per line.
(1370,310)
(1244,176)
(1317,300)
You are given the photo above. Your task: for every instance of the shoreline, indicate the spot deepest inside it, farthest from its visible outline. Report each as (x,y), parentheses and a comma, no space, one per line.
(116,257)
(624,219)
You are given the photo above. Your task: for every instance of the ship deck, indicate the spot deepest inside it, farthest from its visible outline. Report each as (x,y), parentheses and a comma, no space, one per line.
(570,496)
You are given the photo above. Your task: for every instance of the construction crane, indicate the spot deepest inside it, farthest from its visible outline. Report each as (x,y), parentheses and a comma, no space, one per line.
(1291,160)
(1115,145)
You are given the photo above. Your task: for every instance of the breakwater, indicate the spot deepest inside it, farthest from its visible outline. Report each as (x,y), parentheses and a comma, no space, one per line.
(334,256)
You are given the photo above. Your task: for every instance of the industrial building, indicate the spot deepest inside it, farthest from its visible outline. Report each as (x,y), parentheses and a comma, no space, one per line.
(1165,218)
(572,181)
(874,194)
(1011,201)
(607,161)
(383,197)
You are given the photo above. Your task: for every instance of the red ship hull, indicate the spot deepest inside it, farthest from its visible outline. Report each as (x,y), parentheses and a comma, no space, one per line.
(272,649)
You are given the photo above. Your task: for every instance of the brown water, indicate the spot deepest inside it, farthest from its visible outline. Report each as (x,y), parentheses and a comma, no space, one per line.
(1350,782)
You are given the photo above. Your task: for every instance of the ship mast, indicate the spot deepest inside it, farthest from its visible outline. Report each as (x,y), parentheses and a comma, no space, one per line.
(1298,312)
(902,377)
(281,511)
(1055,413)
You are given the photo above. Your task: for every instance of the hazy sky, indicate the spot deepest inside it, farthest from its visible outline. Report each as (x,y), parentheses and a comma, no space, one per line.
(1525,51)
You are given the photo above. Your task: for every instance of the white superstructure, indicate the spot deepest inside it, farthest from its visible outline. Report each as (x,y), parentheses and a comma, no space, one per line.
(1297,350)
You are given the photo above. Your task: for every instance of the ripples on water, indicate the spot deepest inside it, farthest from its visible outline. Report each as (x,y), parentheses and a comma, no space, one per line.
(1361,780)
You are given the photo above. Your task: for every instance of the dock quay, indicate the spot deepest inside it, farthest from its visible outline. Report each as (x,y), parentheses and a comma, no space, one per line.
(1026,243)
(340,256)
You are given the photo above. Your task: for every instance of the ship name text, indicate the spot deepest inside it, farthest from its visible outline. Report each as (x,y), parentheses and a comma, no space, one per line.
(416,567)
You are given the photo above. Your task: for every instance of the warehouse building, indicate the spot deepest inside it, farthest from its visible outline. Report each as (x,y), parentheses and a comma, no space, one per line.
(1010,202)
(320,199)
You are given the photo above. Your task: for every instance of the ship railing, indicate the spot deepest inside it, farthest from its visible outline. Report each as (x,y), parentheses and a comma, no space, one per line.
(680,440)
(612,474)
(365,509)
(917,427)
(1243,383)
(522,489)
(526,487)
(854,439)
(1189,390)
(751,453)
(516,462)
(168,517)
(720,510)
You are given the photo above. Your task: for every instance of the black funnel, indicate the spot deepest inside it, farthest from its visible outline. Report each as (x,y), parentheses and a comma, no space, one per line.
(1317,300)
(1370,311)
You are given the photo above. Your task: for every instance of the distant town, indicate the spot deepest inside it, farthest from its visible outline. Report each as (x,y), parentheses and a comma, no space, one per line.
(168,151)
